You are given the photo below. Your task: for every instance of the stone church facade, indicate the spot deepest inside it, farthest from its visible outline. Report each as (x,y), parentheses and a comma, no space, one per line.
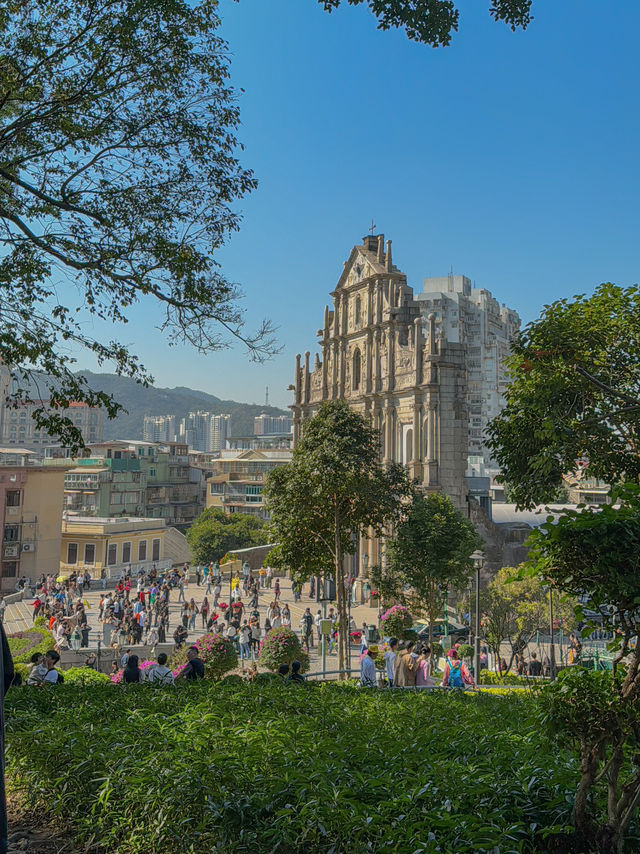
(379,353)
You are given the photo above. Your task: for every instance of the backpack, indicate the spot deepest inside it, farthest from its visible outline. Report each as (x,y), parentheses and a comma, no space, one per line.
(455,676)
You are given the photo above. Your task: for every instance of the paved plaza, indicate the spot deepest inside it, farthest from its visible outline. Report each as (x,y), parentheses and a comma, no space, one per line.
(19,616)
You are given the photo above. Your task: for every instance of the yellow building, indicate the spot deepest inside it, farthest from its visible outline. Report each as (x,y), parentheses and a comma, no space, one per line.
(113,544)
(31,500)
(239,477)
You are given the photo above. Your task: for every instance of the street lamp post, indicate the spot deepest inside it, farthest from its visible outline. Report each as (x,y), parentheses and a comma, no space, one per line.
(478,559)
(552,651)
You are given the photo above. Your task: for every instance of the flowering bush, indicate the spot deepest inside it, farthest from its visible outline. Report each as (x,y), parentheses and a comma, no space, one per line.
(218,654)
(396,621)
(222,606)
(282,646)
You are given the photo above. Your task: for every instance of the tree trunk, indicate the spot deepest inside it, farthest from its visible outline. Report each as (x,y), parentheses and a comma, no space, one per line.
(340,599)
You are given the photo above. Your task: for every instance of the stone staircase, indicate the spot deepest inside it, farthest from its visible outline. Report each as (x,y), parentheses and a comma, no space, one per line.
(18,617)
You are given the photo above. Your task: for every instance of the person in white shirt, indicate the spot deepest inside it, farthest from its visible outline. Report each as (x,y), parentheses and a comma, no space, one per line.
(368,676)
(245,637)
(390,659)
(51,676)
(159,674)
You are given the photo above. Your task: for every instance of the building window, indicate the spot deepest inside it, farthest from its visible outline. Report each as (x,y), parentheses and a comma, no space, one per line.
(358,312)
(11,533)
(72,553)
(142,550)
(112,554)
(89,553)
(9,568)
(155,549)
(356,370)
(13,498)
(126,553)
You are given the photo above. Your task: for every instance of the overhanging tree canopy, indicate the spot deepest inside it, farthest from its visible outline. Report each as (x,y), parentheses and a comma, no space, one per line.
(574,395)
(118,176)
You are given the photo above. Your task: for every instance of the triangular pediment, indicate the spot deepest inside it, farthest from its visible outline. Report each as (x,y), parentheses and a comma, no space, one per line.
(363,263)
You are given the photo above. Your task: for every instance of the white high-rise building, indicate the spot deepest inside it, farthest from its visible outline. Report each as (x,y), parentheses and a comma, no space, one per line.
(219,431)
(472,317)
(271,424)
(159,428)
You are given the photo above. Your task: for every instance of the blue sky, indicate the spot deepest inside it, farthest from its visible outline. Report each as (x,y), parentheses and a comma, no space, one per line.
(511,157)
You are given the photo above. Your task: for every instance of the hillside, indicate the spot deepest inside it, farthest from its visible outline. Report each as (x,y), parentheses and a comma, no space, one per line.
(139,401)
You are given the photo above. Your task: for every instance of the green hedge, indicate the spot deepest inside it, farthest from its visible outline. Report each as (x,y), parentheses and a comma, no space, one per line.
(488,677)
(240,769)
(36,639)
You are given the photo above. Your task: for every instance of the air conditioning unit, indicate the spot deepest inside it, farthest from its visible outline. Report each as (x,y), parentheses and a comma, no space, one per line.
(27,547)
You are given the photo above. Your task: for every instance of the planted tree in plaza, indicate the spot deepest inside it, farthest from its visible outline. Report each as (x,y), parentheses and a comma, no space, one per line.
(213,534)
(429,554)
(334,490)
(514,606)
(573,397)
(117,186)
(596,553)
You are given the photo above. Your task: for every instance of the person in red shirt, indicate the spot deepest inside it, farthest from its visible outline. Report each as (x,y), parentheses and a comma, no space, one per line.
(456,673)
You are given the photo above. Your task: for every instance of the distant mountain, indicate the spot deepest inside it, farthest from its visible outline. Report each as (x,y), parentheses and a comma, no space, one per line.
(139,401)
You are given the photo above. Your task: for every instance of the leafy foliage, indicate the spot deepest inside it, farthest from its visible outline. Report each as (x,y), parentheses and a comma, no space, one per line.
(324,767)
(282,646)
(433,21)
(334,490)
(36,639)
(515,606)
(85,676)
(430,553)
(217,653)
(213,534)
(118,180)
(574,395)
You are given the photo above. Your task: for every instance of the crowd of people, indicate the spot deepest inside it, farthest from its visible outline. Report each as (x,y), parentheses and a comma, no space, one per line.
(409,665)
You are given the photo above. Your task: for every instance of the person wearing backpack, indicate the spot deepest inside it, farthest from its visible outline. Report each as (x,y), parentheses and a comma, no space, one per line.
(456,673)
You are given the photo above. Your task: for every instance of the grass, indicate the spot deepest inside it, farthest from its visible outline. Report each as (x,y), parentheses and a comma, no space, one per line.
(329,768)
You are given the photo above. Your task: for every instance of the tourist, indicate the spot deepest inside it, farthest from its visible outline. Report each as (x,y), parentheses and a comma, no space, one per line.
(114,667)
(245,638)
(159,674)
(535,667)
(269,577)
(283,671)
(195,666)
(390,659)
(286,616)
(180,636)
(132,672)
(52,676)
(91,661)
(276,589)
(181,590)
(204,612)
(404,674)
(456,673)
(256,633)
(368,676)
(296,673)
(423,668)
(306,628)
(125,658)
(193,613)
(37,669)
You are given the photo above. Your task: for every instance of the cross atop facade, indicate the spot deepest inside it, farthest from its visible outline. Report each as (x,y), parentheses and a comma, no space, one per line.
(372,227)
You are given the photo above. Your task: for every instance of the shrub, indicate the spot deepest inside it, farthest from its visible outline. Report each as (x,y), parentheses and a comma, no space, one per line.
(282,646)
(396,621)
(309,774)
(218,654)
(36,639)
(465,650)
(85,676)
(488,677)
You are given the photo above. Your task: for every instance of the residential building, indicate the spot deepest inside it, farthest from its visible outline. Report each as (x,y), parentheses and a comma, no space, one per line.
(159,428)
(472,317)
(18,427)
(271,424)
(264,442)
(219,432)
(115,544)
(239,477)
(31,499)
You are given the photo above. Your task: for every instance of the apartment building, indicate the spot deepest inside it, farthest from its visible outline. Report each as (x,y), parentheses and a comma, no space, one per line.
(239,477)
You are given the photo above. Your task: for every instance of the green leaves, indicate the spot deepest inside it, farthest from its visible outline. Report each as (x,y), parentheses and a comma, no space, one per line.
(230,768)
(117,185)
(574,395)
(213,534)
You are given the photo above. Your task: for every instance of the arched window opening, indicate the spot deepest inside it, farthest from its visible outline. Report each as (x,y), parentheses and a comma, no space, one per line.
(408,446)
(356,370)
(358,312)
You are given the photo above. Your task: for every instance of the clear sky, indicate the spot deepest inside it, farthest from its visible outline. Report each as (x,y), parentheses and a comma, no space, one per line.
(511,157)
